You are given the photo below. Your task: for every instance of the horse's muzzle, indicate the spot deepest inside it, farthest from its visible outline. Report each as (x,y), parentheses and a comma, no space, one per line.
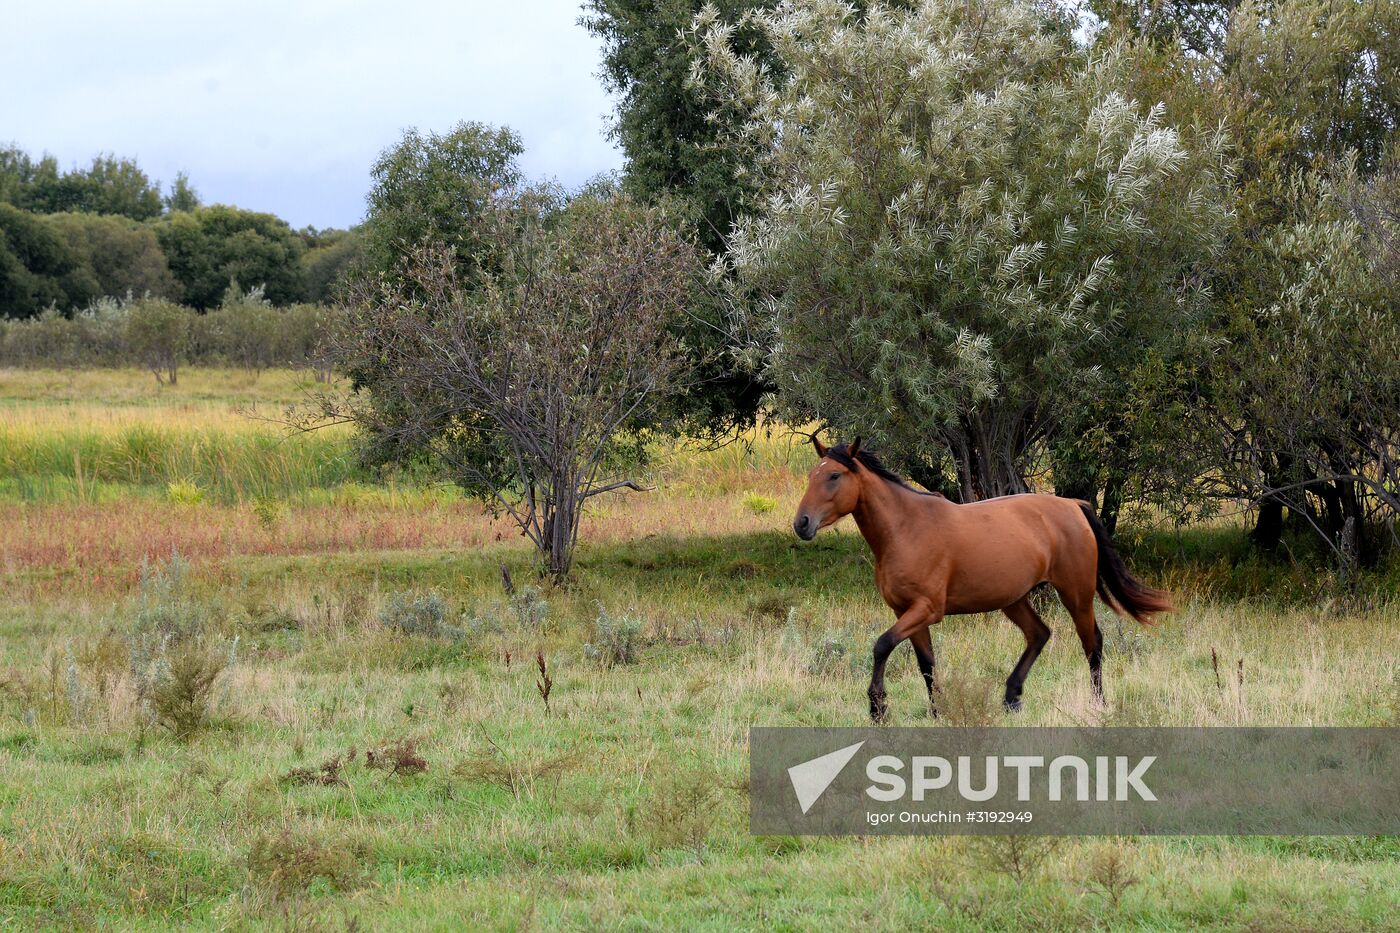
(805,527)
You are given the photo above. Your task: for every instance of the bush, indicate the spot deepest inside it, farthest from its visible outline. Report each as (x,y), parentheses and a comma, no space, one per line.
(180,688)
(162,336)
(288,864)
(422,614)
(616,640)
(530,607)
(160,333)
(166,608)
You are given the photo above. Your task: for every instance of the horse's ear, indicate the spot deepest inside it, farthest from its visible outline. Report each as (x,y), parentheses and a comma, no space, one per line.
(854,448)
(821,448)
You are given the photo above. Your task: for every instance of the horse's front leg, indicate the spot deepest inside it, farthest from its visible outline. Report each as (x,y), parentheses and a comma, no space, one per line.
(916,617)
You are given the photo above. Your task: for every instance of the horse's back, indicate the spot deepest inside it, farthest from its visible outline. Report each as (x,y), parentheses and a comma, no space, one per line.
(1003,547)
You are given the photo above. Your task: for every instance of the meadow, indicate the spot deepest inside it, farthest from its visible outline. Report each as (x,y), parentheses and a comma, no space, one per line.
(358,727)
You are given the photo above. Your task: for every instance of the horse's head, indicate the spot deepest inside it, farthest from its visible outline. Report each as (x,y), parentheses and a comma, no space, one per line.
(833,489)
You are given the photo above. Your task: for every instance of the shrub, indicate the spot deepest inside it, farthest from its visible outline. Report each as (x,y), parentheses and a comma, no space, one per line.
(180,689)
(422,614)
(616,640)
(530,607)
(167,608)
(398,757)
(684,806)
(287,864)
(160,333)
(831,654)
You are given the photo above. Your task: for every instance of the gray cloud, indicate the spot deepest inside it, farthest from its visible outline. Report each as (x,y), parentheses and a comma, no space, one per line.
(282,106)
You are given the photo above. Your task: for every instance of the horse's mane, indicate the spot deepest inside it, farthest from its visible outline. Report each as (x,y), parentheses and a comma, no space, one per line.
(841,454)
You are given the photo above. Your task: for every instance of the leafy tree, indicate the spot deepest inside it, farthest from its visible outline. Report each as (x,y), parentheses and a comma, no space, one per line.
(37,267)
(669,131)
(1314,80)
(1306,413)
(210,247)
(182,196)
(434,189)
(19,172)
(667,128)
(109,186)
(122,255)
(1198,27)
(1310,91)
(245,330)
(330,257)
(963,217)
(529,384)
(159,333)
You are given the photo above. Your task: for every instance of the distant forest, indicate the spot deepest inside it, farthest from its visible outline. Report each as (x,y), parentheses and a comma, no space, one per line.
(70,238)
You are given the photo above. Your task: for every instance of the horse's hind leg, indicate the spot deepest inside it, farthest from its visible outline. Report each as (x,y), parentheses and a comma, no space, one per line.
(923,651)
(1037,634)
(1081,609)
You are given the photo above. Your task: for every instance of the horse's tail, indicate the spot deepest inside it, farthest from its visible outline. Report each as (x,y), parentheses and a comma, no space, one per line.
(1123,592)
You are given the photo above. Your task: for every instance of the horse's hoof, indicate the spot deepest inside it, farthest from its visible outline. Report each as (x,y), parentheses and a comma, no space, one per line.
(1012,706)
(879,710)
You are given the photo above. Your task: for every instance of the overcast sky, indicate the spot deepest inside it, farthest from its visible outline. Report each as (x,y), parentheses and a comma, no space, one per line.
(282,105)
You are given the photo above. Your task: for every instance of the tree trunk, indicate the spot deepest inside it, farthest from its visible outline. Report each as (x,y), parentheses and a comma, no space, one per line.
(982,473)
(1268,527)
(1112,502)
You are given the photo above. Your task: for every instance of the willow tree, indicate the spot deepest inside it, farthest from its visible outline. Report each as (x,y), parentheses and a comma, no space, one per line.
(963,220)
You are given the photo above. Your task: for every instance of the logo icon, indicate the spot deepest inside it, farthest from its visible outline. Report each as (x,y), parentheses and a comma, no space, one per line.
(811,778)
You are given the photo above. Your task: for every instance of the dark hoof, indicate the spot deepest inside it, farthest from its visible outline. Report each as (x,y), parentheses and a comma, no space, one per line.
(1012,706)
(879,709)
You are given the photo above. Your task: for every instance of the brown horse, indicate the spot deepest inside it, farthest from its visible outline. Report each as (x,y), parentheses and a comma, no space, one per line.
(935,558)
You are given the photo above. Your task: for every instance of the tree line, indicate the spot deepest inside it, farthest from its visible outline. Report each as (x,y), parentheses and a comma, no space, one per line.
(244,330)
(69,238)
(1144,255)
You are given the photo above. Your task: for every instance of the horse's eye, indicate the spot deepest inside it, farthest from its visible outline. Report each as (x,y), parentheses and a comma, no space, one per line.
(835,476)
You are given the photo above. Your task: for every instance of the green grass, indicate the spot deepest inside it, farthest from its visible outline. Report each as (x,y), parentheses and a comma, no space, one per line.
(524,817)
(624,805)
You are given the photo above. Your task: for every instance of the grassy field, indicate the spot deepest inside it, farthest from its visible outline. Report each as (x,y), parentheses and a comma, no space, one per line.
(372,750)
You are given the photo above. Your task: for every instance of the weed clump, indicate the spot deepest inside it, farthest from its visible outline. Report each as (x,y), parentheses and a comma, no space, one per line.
(759,505)
(1019,857)
(970,701)
(530,607)
(684,807)
(179,687)
(330,773)
(397,758)
(421,614)
(616,640)
(1112,871)
(516,775)
(269,512)
(166,605)
(288,864)
(184,492)
(831,654)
